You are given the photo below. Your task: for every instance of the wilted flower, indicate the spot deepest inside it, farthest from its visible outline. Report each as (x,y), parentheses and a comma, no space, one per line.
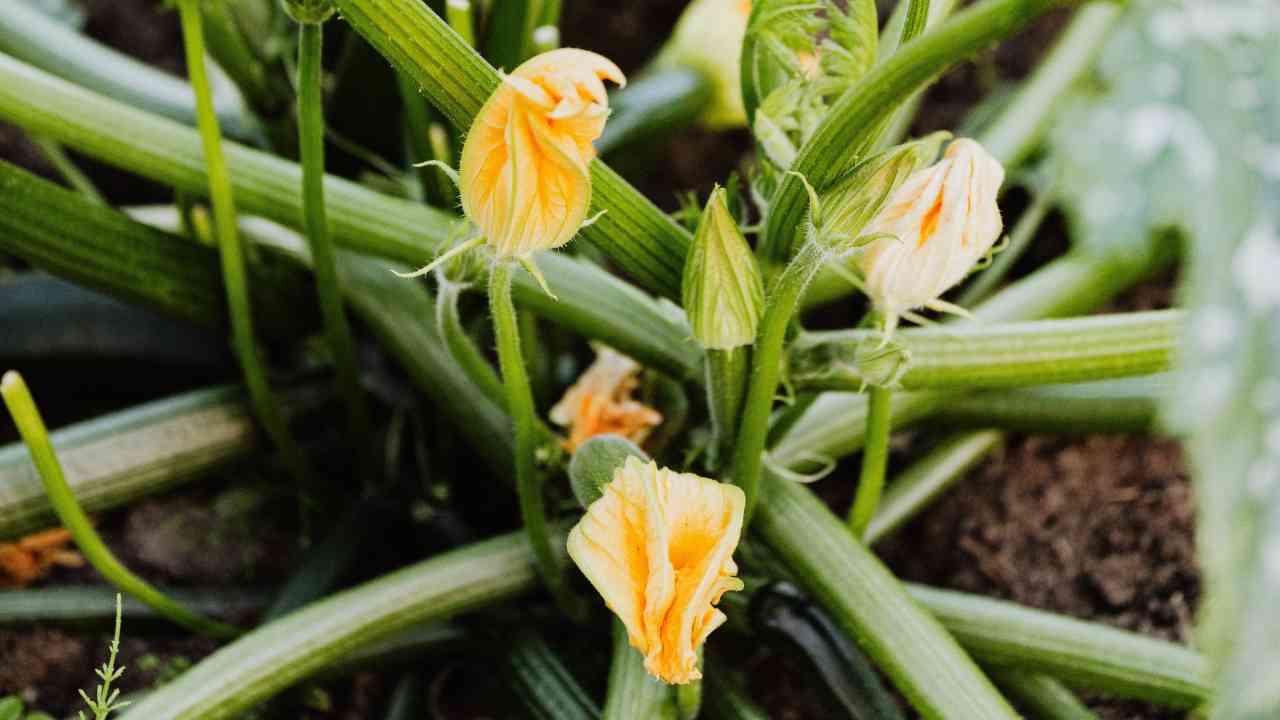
(30,558)
(658,546)
(524,176)
(938,224)
(708,37)
(600,402)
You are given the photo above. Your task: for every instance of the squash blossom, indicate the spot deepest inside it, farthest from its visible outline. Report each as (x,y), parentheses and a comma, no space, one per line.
(658,547)
(600,402)
(938,225)
(524,176)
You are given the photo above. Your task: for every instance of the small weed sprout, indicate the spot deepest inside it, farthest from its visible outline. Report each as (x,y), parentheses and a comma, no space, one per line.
(107,701)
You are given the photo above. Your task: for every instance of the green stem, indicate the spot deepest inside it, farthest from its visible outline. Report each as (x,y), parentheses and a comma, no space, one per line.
(631,692)
(277,655)
(856,118)
(543,682)
(1043,697)
(726,384)
(869,604)
(67,168)
(1014,354)
(766,367)
(917,19)
(434,184)
(84,607)
(1081,654)
(458,13)
(519,404)
(130,454)
(230,247)
(1129,405)
(336,327)
(927,479)
(460,345)
(592,301)
(875,458)
(32,429)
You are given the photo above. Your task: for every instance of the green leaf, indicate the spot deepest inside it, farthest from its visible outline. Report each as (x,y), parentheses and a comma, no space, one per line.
(11,708)
(1184,133)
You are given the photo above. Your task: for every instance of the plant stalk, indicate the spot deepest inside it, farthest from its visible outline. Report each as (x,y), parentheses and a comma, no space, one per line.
(31,427)
(875,459)
(766,366)
(230,248)
(726,384)
(519,402)
(337,328)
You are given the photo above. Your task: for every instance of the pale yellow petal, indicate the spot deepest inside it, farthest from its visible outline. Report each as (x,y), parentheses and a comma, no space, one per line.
(524,176)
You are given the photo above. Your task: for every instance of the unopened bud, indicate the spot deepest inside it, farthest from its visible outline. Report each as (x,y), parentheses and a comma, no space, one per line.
(308,11)
(723,291)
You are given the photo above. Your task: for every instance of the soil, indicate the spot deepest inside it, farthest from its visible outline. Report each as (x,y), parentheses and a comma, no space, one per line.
(1097,527)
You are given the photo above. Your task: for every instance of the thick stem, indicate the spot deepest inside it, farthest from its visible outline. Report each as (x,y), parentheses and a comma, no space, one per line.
(519,400)
(311,141)
(875,458)
(632,693)
(766,367)
(230,248)
(726,384)
(32,429)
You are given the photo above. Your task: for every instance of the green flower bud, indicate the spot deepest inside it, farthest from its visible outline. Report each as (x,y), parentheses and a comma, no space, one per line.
(723,292)
(873,360)
(856,199)
(308,11)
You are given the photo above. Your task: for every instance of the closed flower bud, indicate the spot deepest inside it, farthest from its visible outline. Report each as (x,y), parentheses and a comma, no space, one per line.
(658,547)
(723,292)
(937,225)
(524,176)
(600,402)
(708,38)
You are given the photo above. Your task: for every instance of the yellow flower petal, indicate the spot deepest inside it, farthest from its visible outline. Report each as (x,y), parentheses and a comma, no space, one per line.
(524,176)
(600,402)
(944,218)
(658,547)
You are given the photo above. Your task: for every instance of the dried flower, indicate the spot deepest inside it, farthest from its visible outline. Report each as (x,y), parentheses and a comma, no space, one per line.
(708,38)
(658,546)
(30,558)
(600,402)
(524,176)
(938,224)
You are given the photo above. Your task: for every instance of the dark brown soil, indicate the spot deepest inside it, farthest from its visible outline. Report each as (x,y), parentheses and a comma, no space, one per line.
(1095,527)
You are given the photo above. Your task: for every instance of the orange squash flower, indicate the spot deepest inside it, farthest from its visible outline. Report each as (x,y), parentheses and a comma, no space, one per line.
(600,402)
(524,177)
(658,547)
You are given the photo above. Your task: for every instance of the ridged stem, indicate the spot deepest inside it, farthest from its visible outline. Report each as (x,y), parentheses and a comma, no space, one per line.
(275,656)
(864,599)
(337,328)
(875,459)
(632,693)
(726,384)
(32,429)
(1043,697)
(231,250)
(766,366)
(515,381)
(1013,354)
